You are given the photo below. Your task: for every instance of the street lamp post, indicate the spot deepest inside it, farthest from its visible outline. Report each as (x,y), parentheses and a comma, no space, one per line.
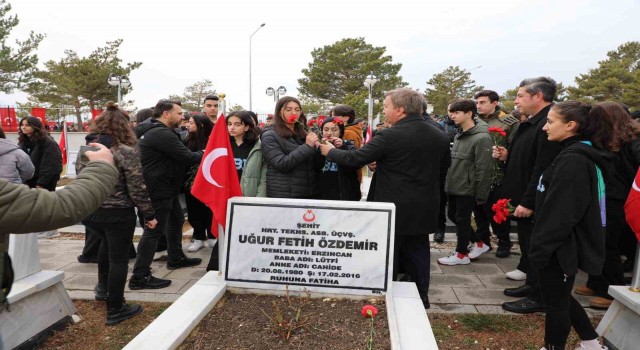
(250,92)
(369,82)
(121,82)
(276,93)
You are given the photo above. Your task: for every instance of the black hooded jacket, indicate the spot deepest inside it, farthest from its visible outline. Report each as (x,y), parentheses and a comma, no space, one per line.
(568,211)
(164,159)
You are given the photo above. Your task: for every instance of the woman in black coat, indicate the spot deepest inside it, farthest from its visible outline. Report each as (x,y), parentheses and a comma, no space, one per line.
(338,182)
(569,233)
(619,135)
(290,153)
(43,151)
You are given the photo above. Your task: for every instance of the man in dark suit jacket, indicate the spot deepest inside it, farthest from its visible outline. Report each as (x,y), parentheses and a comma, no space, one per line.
(411,158)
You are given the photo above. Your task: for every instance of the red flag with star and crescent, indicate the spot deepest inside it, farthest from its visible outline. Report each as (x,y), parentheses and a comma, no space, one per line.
(632,207)
(217,177)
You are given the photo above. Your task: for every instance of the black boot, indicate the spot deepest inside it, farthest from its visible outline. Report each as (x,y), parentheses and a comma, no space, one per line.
(121,313)
(504,249)
(438,237)
(101,287)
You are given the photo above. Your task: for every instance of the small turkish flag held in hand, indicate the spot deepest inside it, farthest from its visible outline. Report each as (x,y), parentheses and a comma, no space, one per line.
(217,179)
(632,207)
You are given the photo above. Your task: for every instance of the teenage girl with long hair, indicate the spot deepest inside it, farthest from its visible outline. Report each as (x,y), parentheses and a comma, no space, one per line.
(620,135)
(44,153)
(200,128)
(569,232)
(290,153)
(114,222)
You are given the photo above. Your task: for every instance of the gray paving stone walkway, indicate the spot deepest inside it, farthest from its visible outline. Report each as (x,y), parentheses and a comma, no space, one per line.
(473,288)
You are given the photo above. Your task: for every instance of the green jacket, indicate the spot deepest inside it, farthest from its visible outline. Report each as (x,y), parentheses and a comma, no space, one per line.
(25,210)
(254,175)
(471,168)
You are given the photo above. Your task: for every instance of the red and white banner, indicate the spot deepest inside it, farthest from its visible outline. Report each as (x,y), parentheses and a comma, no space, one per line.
(8,116)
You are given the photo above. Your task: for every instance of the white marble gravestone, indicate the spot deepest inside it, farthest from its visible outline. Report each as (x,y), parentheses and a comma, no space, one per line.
(337,248)
(322,246)
(37,300)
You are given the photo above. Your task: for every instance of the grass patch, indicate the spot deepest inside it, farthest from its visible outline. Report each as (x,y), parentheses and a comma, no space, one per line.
(491,323)
(441,331)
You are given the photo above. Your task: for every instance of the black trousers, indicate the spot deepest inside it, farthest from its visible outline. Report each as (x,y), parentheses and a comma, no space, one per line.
(460,209)
(612,273)
(92,245)
(412,255)
(561,308)
(525,228)
(200,217)
(114,230)
(170,221)
(484,219)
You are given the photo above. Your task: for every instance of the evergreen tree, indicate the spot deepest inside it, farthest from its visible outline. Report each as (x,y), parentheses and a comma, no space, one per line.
(17,65)
(338,71)
(616,78)
(80,81)
(450,84)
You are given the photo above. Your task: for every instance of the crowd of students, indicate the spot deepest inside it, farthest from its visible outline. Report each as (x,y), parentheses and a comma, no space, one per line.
(565,167)
(566,170)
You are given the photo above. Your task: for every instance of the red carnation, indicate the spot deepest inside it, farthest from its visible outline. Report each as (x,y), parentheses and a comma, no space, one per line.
(502,209)
(312,122)
(497,130)
(369,311)
(292,118)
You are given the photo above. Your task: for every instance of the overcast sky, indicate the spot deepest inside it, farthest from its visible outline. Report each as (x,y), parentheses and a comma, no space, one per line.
(181,42)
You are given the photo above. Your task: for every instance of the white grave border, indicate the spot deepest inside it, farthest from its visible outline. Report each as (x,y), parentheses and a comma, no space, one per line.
(305,204)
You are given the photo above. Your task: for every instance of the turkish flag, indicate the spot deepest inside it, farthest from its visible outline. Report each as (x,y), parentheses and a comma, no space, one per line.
(95,113)
(41,113)
(8,116)
(369,135)
(217,178)
(63,146)
(632,207)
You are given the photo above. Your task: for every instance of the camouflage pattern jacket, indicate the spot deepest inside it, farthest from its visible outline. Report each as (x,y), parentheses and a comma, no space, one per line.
(130,190)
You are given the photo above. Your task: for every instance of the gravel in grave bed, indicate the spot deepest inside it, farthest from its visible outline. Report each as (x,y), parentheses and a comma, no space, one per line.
(238,323)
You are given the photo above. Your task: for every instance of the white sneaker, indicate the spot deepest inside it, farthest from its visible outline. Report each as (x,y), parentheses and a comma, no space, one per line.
(591,345)
(48,234)
(195,245)
(476,250)
(455,259)
(211,242)
(516,275)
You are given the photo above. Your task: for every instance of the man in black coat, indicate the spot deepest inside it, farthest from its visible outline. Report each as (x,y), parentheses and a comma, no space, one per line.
(164,161)
(411,159)
(529,154)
